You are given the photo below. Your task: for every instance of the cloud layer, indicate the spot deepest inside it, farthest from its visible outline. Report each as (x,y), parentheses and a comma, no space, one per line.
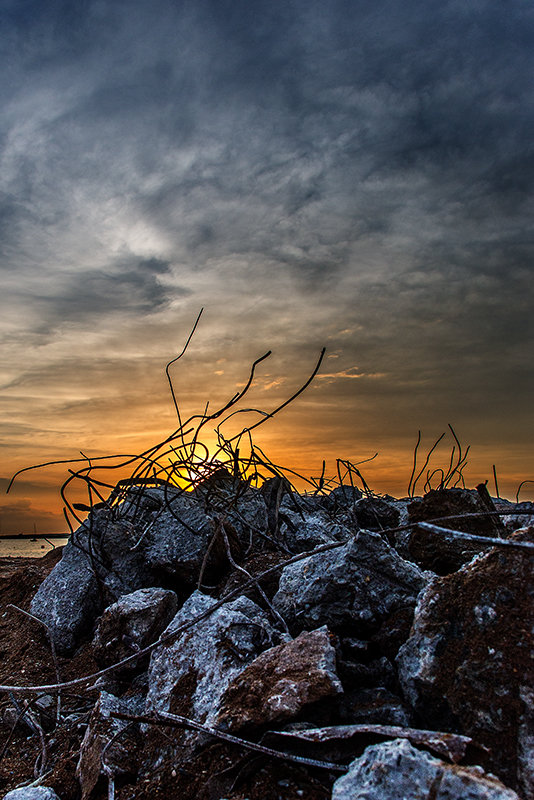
(313,173)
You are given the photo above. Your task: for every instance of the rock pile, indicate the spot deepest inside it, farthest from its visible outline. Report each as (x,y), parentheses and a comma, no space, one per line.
(324,647)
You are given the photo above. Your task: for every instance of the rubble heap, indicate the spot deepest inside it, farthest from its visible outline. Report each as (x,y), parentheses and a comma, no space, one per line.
(246,642)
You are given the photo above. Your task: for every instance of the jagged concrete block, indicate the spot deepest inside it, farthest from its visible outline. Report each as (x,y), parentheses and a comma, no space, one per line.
(103,748)
(396,769)
(189,676)
(281,681)
(357,585)
(468,660)
(133,622)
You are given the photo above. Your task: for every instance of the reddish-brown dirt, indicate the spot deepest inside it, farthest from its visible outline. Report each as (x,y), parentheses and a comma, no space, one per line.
(25,658)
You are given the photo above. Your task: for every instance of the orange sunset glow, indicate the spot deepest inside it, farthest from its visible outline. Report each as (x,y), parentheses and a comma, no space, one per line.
(313,175)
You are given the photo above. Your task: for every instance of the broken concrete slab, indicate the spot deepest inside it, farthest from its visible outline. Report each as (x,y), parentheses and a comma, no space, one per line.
(31,793)
(355,586)
(469,656)
(189,676)
(441,553)
(104,750)
(177,541)
(280,682)
(133,622)
(396,769)
(68,600)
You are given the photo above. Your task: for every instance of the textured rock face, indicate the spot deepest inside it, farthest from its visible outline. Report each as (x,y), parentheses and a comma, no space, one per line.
(98,566)
(32,793)
(449,502)
(469,658)
(96,755)
(306,530)
(341,498)
(359,657)
(178,539)
(68,600)
(281,681)
(442,554)
(124,559)
(134,621)
(190,675)
(356,586)
(396,770)
(376,513)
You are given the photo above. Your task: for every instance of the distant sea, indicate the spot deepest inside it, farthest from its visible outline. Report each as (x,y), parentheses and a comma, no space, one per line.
(27,548)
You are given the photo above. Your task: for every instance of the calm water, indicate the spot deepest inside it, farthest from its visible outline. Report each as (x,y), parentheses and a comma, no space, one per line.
(27,548)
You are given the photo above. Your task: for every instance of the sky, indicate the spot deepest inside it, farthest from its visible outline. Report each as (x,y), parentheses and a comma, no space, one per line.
(349,175)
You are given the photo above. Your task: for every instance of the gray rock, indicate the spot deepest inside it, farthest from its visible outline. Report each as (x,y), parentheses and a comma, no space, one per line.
(178,538)
(281,681)
(68,600)
(440,553)
(109,556)
(190,675)
(469,657)
(241,506)
(357,585)
(376,513)
(98,565)
(307,530)
(31,793)
(133,622)
(100,752)
(341,498)
(122,563)
(396,769)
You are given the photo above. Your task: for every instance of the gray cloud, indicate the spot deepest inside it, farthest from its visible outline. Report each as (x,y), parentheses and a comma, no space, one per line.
(300,168)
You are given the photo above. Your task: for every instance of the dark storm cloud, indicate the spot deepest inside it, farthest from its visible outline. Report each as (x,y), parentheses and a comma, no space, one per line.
(131,287)
(344,95)
(363,167)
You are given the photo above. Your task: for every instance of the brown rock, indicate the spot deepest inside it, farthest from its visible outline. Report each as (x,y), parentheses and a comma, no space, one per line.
(443,554)
(281,681)
(469,658)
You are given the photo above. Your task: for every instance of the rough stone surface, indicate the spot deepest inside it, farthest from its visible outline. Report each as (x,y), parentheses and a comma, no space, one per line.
(464,665)
(31,793)
(178,538)
(440,553)
(517,520)
(307,530)
(449,502)
(281,681)
(470,655)
(190,675)
(68,600)
(119,756)
(376,513)
(133,622)
(98,566)
(396,770)
(341,498)
(355,586)
(122,564)
(243,507)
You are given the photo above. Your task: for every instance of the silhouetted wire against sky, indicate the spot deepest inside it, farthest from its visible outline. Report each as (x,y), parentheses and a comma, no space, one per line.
(356,176)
